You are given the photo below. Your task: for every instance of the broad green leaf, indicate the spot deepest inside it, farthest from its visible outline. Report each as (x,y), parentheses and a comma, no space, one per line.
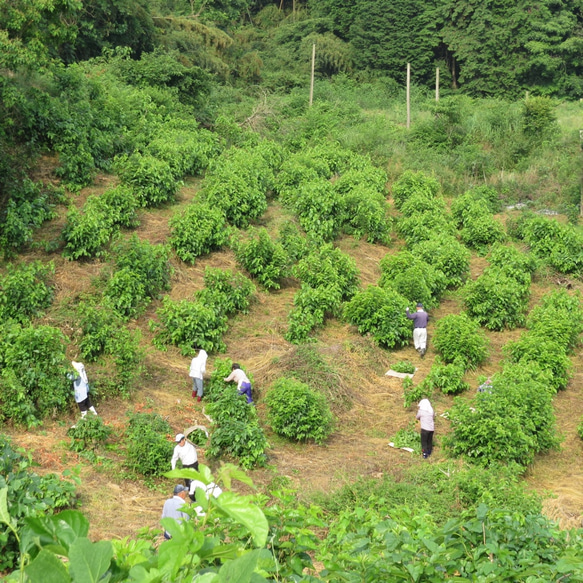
(4,514)
(229,472)
(240,570)
(246,514)
(47,568)
(186,473)
(89,561)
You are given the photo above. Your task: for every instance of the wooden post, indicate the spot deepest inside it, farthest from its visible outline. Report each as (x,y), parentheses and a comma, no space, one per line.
(312,77)
(408,95)
(437,84)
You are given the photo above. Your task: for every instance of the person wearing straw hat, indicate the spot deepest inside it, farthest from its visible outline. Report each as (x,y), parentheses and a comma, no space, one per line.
(173,506)
(186,453)
(420,319)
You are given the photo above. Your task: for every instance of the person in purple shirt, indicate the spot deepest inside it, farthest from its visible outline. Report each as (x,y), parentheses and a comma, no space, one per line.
(420,319)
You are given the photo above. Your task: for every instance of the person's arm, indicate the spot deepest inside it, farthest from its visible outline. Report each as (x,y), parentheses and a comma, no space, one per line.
(409,315)
(230,377)
(174,458)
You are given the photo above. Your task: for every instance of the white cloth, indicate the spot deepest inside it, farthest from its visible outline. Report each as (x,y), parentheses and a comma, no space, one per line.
(209,490)
(426,415)
(81,383)
(420,338)
(238,376)
(185,453)
(198,365)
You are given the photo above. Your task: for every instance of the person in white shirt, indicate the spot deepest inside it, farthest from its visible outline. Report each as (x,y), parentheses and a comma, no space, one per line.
(209,490)
(243,383)
(81,388)
(173,507)
(196,373)
(186,453)
(426,416)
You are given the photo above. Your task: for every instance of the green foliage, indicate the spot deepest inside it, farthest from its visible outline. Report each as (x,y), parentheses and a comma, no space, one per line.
(580,428)
(403,366)
(237,183)
(448,378)
(498,299)
(29,206)
(27,496)
(558,317)
(236,431)
(197,230)
(228,293)
(423,226)
(118,204)
(189,325)
(560,246)
(510,424)
(32,374)
(263,258)
(153,180)
(539,118)
(548,354)
(86,234)
(412,278)
(446,254)
(414,393)
(143,271)
(412,183)
(88,434)
(294,243)
(149,449)
(297,412)
(380,313)
(25,291)
(512,260)
(459,340)
(407,437)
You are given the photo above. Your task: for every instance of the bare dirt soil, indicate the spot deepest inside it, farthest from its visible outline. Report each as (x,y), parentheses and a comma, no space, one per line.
(119,506)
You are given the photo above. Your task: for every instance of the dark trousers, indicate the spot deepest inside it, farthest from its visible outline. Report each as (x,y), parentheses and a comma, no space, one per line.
(426,442)
(194,466)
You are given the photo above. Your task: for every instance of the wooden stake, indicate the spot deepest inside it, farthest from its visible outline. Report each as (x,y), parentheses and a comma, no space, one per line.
(437,84)
(312,77)
(408,95)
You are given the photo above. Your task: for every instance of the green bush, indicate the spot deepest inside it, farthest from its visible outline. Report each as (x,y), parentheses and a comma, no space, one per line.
(480,231)
(414,393)
(420,203)
(407,437)
(311,307)
(446,254)
(119,204)
(448,378)
(226,292)
(30,204)
(25,291)
(329,267)
(380,313)
(459,339)
(297,412)
(580,428)
(412,278)
(558,317)
(28,496)
(511,424)
(86,234)
(294,243)
(88,433)
(366,213)
(33,384)
(403,366)
(262,257)
(411,183)
(126,294)
(549,355)
(512,260)
(153,181)
(197,230)
(497,300)
(189,325)
(237,183)
(149,449)
(423,226)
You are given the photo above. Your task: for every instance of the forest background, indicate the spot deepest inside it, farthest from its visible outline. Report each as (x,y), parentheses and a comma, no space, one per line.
(118,116)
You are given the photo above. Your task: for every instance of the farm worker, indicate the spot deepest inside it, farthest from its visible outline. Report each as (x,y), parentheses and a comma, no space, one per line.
(197,370)
(243,383)
(209,490)
(173,507)
(81,389)
(426,416)
(420,319)
(486,387)
(186,453)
